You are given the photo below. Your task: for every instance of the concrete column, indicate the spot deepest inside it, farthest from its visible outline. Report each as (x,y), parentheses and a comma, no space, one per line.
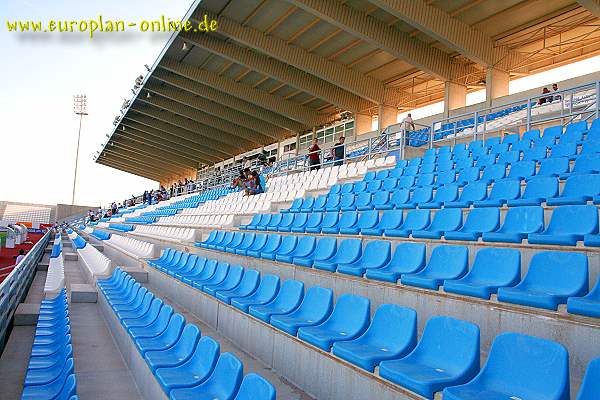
(387,116)
(496,84)
(297,142)
(362,124)
(455,96)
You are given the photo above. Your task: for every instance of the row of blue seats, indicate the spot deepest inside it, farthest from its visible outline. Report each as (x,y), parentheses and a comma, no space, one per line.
(198,199)
(533,163)
(447,354)
(101,235)
(578,189)
(56,248)
(121,227)
(50,373)
(141,220)
(552,277)
(186,364)
(568,224)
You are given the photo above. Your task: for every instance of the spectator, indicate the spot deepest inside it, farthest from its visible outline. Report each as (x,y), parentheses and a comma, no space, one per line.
(238,182)
(172,190)
(145,196)
(544,99)
(314,155)
(246,163)
(408,122)
(20,257)
(556,97)
(338,151)
(254,184)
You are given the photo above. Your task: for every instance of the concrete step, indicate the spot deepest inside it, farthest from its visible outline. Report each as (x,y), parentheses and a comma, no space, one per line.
(137,273)
(26,314)
(99,247)
(71,256)
(42,266)
(83,293)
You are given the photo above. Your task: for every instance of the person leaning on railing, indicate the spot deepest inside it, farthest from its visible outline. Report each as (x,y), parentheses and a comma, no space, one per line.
(338,151)
(314,155)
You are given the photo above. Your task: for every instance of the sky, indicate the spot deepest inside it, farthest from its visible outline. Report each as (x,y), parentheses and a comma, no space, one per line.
(40,73)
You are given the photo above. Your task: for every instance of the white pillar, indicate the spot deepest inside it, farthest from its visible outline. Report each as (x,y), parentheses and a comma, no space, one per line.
(496,84)
(387,116)
(455,96)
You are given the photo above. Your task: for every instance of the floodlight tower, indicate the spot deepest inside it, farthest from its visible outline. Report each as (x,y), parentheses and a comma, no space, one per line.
(79,108)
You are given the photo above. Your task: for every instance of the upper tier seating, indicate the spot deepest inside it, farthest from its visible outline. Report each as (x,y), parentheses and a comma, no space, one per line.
(168,233)
(95,262)
(136,247)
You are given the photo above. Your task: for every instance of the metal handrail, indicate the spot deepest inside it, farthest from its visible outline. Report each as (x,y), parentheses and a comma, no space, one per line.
(15,286)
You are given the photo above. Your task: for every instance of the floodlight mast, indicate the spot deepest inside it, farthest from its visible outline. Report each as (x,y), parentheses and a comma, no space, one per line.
(79,108)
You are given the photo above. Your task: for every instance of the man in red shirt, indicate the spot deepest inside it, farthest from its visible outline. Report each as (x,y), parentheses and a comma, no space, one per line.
(314,155)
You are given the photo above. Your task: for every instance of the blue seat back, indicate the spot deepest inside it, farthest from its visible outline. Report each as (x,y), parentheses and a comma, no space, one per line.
(449,260)
(590,387)
(255,387)
(494,172)
(290,295)
(581,219)
(522,169)
(417,220)
(422,195)
(273,243)
(390,219)
(350,314)
(425,179)
(474,191)
(320,203)
(582,185)
(468,175)
(558,272)
(587,164)
(484,219)
(307,204)
(347,200)
(363,199)
(348,251)
(405,182)
(227,375)
(563,150)
(543,187)
(499,265)
(400,196)
(300,220)
(306,246)
(446,219)
(506,189)
(330,219)
(288,244)
(314,220)
(509,157)
(538,153)
(325,249)
(333,201)
(531,135)
(368,219)
(389,184)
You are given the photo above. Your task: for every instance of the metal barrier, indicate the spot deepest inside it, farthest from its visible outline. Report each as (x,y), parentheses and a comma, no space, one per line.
(13,289)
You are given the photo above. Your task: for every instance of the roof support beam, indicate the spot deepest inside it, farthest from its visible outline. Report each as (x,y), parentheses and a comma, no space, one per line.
(454,33)
(175,137)
(348,79)
(387,38)
(592,6)
(303,115)
(207,92)
(266,131)
(279,70)
(130,170)
(162,155)
(190,130)
(136,153)
(161,144)
(223,129)
(141,163)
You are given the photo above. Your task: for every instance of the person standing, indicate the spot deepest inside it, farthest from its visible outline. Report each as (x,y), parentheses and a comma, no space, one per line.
(338,151)
(408,122)
(314,155)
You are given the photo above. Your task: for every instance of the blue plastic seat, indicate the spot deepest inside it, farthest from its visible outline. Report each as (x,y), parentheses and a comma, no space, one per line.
(347,220)
(552,277)
(443,194)
(214,236)
(486,160)
(590,387)
(370,176)
(295,207)
(397,172)
(349,319)
(276,220)
(463,163)
(267,290)
(446,262)
(330,220)
(447,355)
(247,241)
(398,199)
(366,220)
(567,150)
(381,201)
(287,245)
(305,248)
(260,240)
(479,220)
(553,167)
(584,164)
(319,204)
(285,223)
(227,239)
(408,258)
(406,182)
(316,306)
(521,146)
(223,382)
(568,225)
(493,173)
(176,355)
(425,179)
(518,224)
(333,202)
(324,250)
(195,370)
(578,189)
(531,135)
(416,161)
(219,275)
(255,387)
(511,139)
(298,224)
(359,187)
(335,189)
(348,252)
(522,170)
(363,201)
(537,191)
(446,178)
(164,340)
(347,188)
(232,279)
(390,219)
(151,323)
(307,204)
(420,195)
(389,184)
(376,255)
(392,334)
(411,170)
(519,367)
(538,154)
(502,191)
(312,225)
(446,219)
(509,157)
(574,132)
(445,166)
(287,300)
(493,268)
(347,202)
(246,287)
(468,175)
(255,220)
(415,220)
(272,244)
(382,174)
(373,186)
(474,191)
(588,305)
(590,147)
(63,387)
